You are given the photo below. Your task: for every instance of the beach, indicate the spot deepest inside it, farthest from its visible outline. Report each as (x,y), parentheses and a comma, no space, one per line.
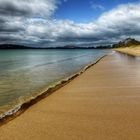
(103,103)
(133,50)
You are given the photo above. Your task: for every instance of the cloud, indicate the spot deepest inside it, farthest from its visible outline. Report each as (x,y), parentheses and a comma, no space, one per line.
(96,6)
(33,24)
(27,7)
(65,0)
(15,17)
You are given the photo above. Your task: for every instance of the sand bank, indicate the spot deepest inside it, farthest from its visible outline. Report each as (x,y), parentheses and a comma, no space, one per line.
(134,51)
(102,104)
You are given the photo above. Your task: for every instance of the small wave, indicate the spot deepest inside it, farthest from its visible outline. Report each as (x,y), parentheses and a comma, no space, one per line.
(61,60)
(50,63)
(10,112)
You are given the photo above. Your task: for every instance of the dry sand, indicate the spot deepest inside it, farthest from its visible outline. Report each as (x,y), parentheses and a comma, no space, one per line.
(101,104)
(134,50)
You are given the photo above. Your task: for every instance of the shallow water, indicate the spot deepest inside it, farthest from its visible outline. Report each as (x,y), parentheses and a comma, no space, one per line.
(25,73)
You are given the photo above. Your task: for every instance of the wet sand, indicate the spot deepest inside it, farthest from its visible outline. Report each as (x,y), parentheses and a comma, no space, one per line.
(102,104)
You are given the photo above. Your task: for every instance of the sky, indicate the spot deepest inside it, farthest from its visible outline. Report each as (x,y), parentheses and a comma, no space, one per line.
(49,23)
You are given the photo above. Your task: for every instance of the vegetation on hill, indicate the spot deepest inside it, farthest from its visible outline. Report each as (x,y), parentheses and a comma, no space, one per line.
(129,46)
(129,42)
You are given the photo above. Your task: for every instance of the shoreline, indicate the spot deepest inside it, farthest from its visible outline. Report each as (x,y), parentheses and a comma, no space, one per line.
(132,51)
(101,103)
(18,110)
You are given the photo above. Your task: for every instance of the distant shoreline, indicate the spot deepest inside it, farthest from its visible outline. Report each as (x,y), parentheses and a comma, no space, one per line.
(15,46)
(53,48)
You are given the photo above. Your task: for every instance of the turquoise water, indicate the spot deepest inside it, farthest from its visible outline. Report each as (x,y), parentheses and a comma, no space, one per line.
(25,73)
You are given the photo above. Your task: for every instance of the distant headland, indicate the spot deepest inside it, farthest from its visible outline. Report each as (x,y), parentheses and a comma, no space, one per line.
(128,46)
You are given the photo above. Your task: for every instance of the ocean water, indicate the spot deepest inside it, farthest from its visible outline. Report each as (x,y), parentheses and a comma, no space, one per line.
(26,73)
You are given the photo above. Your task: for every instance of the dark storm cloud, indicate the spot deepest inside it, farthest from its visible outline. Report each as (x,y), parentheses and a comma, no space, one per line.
(9,9)
(16,16)
(27,7)
(29,22)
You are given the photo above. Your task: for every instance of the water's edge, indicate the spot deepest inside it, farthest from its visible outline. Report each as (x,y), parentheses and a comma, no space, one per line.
(10,115)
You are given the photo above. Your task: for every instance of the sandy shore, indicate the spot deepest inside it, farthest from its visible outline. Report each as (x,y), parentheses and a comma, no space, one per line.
(134,51)
(101,104)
